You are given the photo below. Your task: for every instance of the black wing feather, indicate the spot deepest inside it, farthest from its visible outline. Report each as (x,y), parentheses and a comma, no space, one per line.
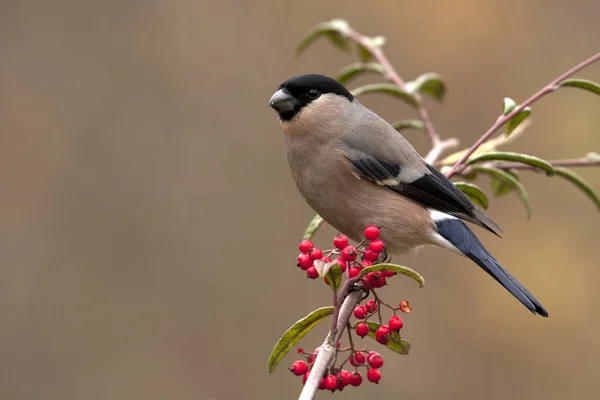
(432,190)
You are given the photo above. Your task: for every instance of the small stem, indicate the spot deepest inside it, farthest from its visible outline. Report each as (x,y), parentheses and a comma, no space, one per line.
(549,88)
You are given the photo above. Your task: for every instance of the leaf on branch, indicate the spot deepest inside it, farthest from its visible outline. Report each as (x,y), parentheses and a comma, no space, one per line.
(396,343)
(373,42)
(335,30)
(294,334)
(313,227)
(395,268)
(409,124)
(517,157)
(517,119)
(579,182)
(334,277)
(499,188)
(473,192)
(509,106)
(353,70)
(387,88)
(509,180)
(430,84)
(584,84)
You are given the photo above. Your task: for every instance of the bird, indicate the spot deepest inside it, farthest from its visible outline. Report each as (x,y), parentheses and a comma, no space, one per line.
(355,170)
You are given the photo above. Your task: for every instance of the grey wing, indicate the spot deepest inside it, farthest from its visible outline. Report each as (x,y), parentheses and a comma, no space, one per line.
(394,165)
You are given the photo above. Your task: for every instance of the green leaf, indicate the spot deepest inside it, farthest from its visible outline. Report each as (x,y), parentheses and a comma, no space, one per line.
(371,42)
(509,105)
(335,30)
(409,124)
(396,343)
(334,278)
(584,84)
(512,124)
(395,268)
(518,157)
(430,84)
(358,68)
(579,182)
(294,334)
(473,192)
(499,188)
(387,88)
(364,54)
(313,227)
(510,180)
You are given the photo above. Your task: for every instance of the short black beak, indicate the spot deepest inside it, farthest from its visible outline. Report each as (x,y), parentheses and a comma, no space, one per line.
(282,101)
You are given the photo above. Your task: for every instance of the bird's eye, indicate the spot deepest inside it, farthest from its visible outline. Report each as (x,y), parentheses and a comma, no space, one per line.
(313,94)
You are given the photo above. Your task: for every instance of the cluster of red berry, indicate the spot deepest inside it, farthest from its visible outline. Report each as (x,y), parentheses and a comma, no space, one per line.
(346,257)
(352,260)
(342,378)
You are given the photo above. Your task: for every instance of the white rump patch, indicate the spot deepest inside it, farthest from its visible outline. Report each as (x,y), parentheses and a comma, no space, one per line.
(439,216)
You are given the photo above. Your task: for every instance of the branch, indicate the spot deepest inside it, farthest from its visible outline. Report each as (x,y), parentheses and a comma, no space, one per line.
(549,88)
(329,346)
(438,146)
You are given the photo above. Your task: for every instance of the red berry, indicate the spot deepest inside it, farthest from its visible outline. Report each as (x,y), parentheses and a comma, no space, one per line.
(383,334)
(360,312)
(311,358)
(305,377)
(375,279)
(405,306)
(304,261)
(372,232)
(370,255)
(299,368)
(330,383)
(372,306)
(326,259)
(340,241)
(339,344)
(343,378)
(376,246)
(366,263)
(375,360)
(349,253)
(316,254)
(312,272)
(373,375)
(395,323)
(305,246)
(356,379)
(341,263)
(388,274)
(354,271)
(362,329)
(300,350)
(322,384)
(357,359)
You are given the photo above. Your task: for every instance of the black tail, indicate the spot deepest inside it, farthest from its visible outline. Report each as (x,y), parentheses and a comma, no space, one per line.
(457,233)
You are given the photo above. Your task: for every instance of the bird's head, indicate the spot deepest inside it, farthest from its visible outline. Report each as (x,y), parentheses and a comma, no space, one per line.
(309,97)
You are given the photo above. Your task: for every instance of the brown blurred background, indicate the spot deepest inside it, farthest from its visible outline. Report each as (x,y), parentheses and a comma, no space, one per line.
(149,220)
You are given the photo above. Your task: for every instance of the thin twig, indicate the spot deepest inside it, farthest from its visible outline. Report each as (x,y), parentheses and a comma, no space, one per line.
(549,88)
(329,346)
(438,146)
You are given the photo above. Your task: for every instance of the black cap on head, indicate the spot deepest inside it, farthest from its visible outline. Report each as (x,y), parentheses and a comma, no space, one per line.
(300,86)
(301,90)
